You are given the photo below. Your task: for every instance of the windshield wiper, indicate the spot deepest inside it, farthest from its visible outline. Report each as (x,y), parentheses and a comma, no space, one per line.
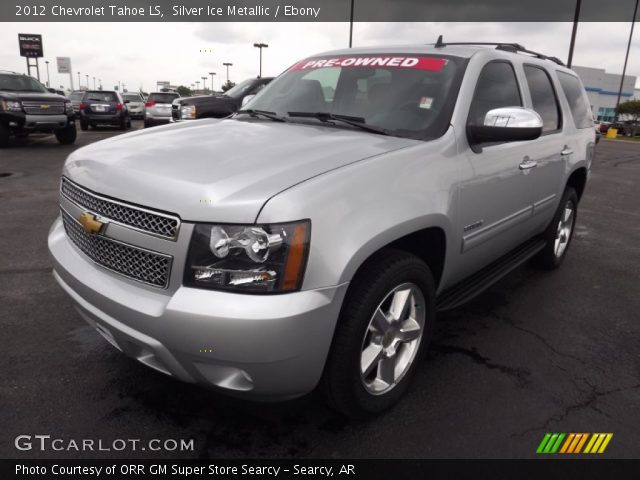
(348,119)
(263,113)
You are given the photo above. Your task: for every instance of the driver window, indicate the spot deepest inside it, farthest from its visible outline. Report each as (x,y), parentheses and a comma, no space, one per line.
(497,87)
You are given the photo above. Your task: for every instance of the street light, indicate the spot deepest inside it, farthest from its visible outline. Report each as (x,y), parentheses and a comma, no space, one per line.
(212,74)
(94,83)
(79,84)
(228,65)
(204,83)
(197,85)
(47,62)
(260,46)
(87,81)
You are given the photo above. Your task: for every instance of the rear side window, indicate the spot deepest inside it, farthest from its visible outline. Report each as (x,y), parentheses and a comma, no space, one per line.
(76,96)
(497,87)
(577,99)
(162,97)
(543,97)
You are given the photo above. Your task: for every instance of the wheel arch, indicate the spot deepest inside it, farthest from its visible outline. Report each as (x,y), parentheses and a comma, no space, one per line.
(578,181)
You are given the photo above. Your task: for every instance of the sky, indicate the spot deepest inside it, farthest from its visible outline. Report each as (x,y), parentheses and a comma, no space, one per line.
(140,54)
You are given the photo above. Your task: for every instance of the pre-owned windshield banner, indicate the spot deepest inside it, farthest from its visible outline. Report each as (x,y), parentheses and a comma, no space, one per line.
(415,62)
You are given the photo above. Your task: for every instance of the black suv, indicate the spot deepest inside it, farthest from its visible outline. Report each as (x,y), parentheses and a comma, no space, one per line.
(27,107)
(217,105)
(104,107)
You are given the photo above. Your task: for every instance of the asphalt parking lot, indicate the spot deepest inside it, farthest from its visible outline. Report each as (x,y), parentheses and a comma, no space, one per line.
(538,352)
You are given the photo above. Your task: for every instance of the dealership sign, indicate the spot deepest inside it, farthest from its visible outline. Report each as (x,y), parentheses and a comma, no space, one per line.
(30,45)
(64,64)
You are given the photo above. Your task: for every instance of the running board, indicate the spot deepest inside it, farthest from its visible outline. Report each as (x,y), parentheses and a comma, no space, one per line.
(472,286)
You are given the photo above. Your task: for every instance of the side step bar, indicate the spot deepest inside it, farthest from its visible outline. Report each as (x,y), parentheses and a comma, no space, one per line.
(472,286)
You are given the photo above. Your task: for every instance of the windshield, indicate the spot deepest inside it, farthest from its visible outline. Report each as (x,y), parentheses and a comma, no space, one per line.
(406,95)
(162,97)
(132,97)
(240,89)
(20,83)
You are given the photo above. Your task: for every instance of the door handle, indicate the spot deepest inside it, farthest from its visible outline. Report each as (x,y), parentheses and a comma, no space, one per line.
(527,163)
(566,151)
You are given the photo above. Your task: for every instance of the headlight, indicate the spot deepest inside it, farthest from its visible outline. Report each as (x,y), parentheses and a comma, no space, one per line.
(68,107)
(248,258)
(188,112)
(10,106)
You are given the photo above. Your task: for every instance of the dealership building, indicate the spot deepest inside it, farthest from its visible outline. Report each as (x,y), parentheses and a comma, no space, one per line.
(603,87)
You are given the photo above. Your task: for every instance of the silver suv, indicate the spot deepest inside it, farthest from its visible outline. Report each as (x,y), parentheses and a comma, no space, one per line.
(310,239)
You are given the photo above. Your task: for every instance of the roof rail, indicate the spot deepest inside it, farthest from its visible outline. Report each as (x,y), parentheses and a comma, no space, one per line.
(507,47)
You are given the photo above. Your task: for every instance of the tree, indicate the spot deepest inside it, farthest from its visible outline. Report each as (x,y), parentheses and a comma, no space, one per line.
(184,91)
(632,108)
(228,85)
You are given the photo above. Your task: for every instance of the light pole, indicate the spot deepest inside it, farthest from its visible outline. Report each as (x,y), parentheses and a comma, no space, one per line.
(351,25)
(197,85)
(576,17)
(204,83)
(212,74)
(227,64)
(47,62)
(626,58)
(260,46)
(87,81)
(79,84)
(99,84)
(94,83)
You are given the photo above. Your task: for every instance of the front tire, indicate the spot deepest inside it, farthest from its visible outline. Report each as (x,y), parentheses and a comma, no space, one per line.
(382,335)
(4,136)
(67,135)
(559,232)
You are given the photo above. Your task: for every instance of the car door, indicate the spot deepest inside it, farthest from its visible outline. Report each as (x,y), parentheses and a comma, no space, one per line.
(550,149)
(495,195)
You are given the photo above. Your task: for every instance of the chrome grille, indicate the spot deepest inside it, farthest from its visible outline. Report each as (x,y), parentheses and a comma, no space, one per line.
(43,108)
(138,264)
(154,223)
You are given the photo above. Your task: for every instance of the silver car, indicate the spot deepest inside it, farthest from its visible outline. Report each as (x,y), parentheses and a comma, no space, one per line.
(310,239)
(158,108)
(135,104)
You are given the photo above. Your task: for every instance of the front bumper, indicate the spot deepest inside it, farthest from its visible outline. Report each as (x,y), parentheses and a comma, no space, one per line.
(260,346)
(39,123)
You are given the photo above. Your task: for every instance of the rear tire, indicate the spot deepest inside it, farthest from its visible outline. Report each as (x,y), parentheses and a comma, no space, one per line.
(4,136)
(128,122)
(67,135)
(147,124)
(559,233)
(370,328)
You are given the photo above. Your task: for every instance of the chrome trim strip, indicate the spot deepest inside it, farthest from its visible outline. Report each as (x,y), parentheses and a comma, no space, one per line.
(545,202)
(480,236)
(123,204)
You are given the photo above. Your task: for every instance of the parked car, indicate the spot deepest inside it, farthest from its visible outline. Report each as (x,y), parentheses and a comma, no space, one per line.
(604,127)
(217,105)
(135,104)
(27,107)
(158,108)
(76,97)
(104,107)
(310,239)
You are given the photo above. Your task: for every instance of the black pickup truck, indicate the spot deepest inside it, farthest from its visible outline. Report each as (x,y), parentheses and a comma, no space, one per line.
(27,107)
(217,105)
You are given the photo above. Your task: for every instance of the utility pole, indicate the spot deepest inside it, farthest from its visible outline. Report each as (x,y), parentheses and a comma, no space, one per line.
(212,74)
(47,62)
(260,46)
(574,31)
(351,24)
(228,65)
(626,58)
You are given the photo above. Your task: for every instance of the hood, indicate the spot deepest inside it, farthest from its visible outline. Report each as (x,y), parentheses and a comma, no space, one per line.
(218,170)
(204,99)
(34,96)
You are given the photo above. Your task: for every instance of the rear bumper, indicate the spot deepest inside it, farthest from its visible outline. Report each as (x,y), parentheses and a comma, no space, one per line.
(102,119)
(262,346)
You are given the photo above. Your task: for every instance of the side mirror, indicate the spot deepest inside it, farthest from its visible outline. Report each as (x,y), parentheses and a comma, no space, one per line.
(507,124)
(246,100)
(127,101)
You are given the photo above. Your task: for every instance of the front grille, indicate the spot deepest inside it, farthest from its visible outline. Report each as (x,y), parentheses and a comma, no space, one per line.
(147,221)
(132,262)
(43,108)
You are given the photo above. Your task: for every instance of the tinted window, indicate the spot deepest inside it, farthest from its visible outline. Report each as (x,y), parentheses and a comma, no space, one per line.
(543,97)
(100,96)
(162,97)
(408,95)
(76,95)
(577,99)
(132,97)
(497,87)
(20,83)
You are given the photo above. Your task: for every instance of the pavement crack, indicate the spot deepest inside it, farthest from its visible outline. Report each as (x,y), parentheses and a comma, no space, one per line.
(588,402)
(520,374)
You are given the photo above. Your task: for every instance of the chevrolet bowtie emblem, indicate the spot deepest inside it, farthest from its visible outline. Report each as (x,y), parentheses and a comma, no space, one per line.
(44,106)
(90,223)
